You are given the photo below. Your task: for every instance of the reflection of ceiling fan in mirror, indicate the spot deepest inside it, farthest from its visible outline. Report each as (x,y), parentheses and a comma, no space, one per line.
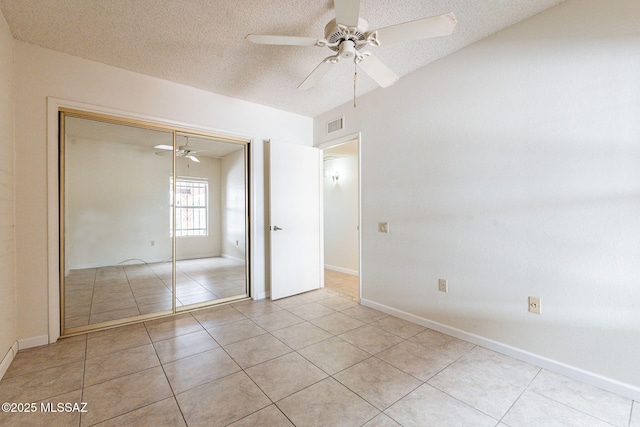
(182,151)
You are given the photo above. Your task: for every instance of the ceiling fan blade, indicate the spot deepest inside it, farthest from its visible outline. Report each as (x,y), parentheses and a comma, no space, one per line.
(434,26)
(192,157)
(317,74)
(347,12)
(379,72)
(282,40)
(163,147)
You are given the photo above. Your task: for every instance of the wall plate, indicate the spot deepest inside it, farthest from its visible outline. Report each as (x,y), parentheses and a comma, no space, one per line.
(534,305)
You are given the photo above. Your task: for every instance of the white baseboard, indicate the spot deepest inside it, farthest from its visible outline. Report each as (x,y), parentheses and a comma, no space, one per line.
(24,343)
(614,386)
(262,295)
(232,257)
(137,261)
(196,257)
(342,270)
(8,358)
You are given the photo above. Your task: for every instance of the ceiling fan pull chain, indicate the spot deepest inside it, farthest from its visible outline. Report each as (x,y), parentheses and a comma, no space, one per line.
(355,79)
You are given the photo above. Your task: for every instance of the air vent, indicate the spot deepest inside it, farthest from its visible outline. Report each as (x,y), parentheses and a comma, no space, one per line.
(335,125)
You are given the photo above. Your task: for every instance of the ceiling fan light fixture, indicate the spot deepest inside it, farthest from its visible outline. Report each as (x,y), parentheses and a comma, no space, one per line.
(347,49)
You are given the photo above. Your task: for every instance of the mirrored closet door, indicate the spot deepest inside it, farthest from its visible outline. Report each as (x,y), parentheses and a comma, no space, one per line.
(153,220)
(210,220)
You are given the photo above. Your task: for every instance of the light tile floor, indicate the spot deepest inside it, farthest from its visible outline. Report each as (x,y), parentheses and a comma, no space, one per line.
(316,359)
(344,284)
(95,295)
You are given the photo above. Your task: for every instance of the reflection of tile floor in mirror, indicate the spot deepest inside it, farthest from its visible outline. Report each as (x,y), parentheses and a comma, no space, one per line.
(313,359)
(95,295)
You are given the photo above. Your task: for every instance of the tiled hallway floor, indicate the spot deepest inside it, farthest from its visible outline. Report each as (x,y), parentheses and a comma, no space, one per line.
(343,284)
(316,359)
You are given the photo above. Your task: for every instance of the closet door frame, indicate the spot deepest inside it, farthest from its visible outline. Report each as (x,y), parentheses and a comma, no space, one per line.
(58,110)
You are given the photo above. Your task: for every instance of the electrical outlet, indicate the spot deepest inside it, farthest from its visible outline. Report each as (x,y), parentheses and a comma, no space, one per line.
(534,305)
(383,227)
(442,285)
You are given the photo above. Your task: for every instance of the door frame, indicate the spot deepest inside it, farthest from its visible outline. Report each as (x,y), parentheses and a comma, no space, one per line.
(329,144)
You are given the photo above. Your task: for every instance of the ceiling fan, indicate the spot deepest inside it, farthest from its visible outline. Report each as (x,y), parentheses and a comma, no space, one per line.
(182,151)
(348,35)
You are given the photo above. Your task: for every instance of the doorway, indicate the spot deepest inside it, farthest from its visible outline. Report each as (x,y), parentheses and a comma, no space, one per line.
(341,211)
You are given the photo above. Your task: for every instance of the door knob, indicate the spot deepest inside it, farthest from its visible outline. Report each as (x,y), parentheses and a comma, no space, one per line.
(276,228)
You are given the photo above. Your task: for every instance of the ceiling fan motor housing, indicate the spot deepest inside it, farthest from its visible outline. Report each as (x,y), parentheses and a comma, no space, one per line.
(337,34)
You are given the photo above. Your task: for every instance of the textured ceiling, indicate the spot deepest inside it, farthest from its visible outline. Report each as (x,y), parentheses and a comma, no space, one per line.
(201,43)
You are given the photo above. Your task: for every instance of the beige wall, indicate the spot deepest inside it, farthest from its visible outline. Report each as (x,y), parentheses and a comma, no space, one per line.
(8,316)
(117,207)
(510,168)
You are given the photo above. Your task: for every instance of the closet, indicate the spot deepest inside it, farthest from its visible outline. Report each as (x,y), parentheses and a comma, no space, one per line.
(154,220)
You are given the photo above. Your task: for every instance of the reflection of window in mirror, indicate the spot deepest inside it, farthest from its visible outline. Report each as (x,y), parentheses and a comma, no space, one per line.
(192,207)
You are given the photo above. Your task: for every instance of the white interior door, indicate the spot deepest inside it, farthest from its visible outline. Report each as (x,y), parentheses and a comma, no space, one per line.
(294,214)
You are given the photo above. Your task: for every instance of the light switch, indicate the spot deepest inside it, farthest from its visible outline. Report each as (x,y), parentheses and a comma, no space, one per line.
(535,305)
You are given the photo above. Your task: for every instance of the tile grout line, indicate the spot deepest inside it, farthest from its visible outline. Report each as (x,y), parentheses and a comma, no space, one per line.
(122,376)
(520,395)
(84,370)
(244,369)
(165,376)
(292,351)
(93,292)
(422,383)
(370,356)
(576,409)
